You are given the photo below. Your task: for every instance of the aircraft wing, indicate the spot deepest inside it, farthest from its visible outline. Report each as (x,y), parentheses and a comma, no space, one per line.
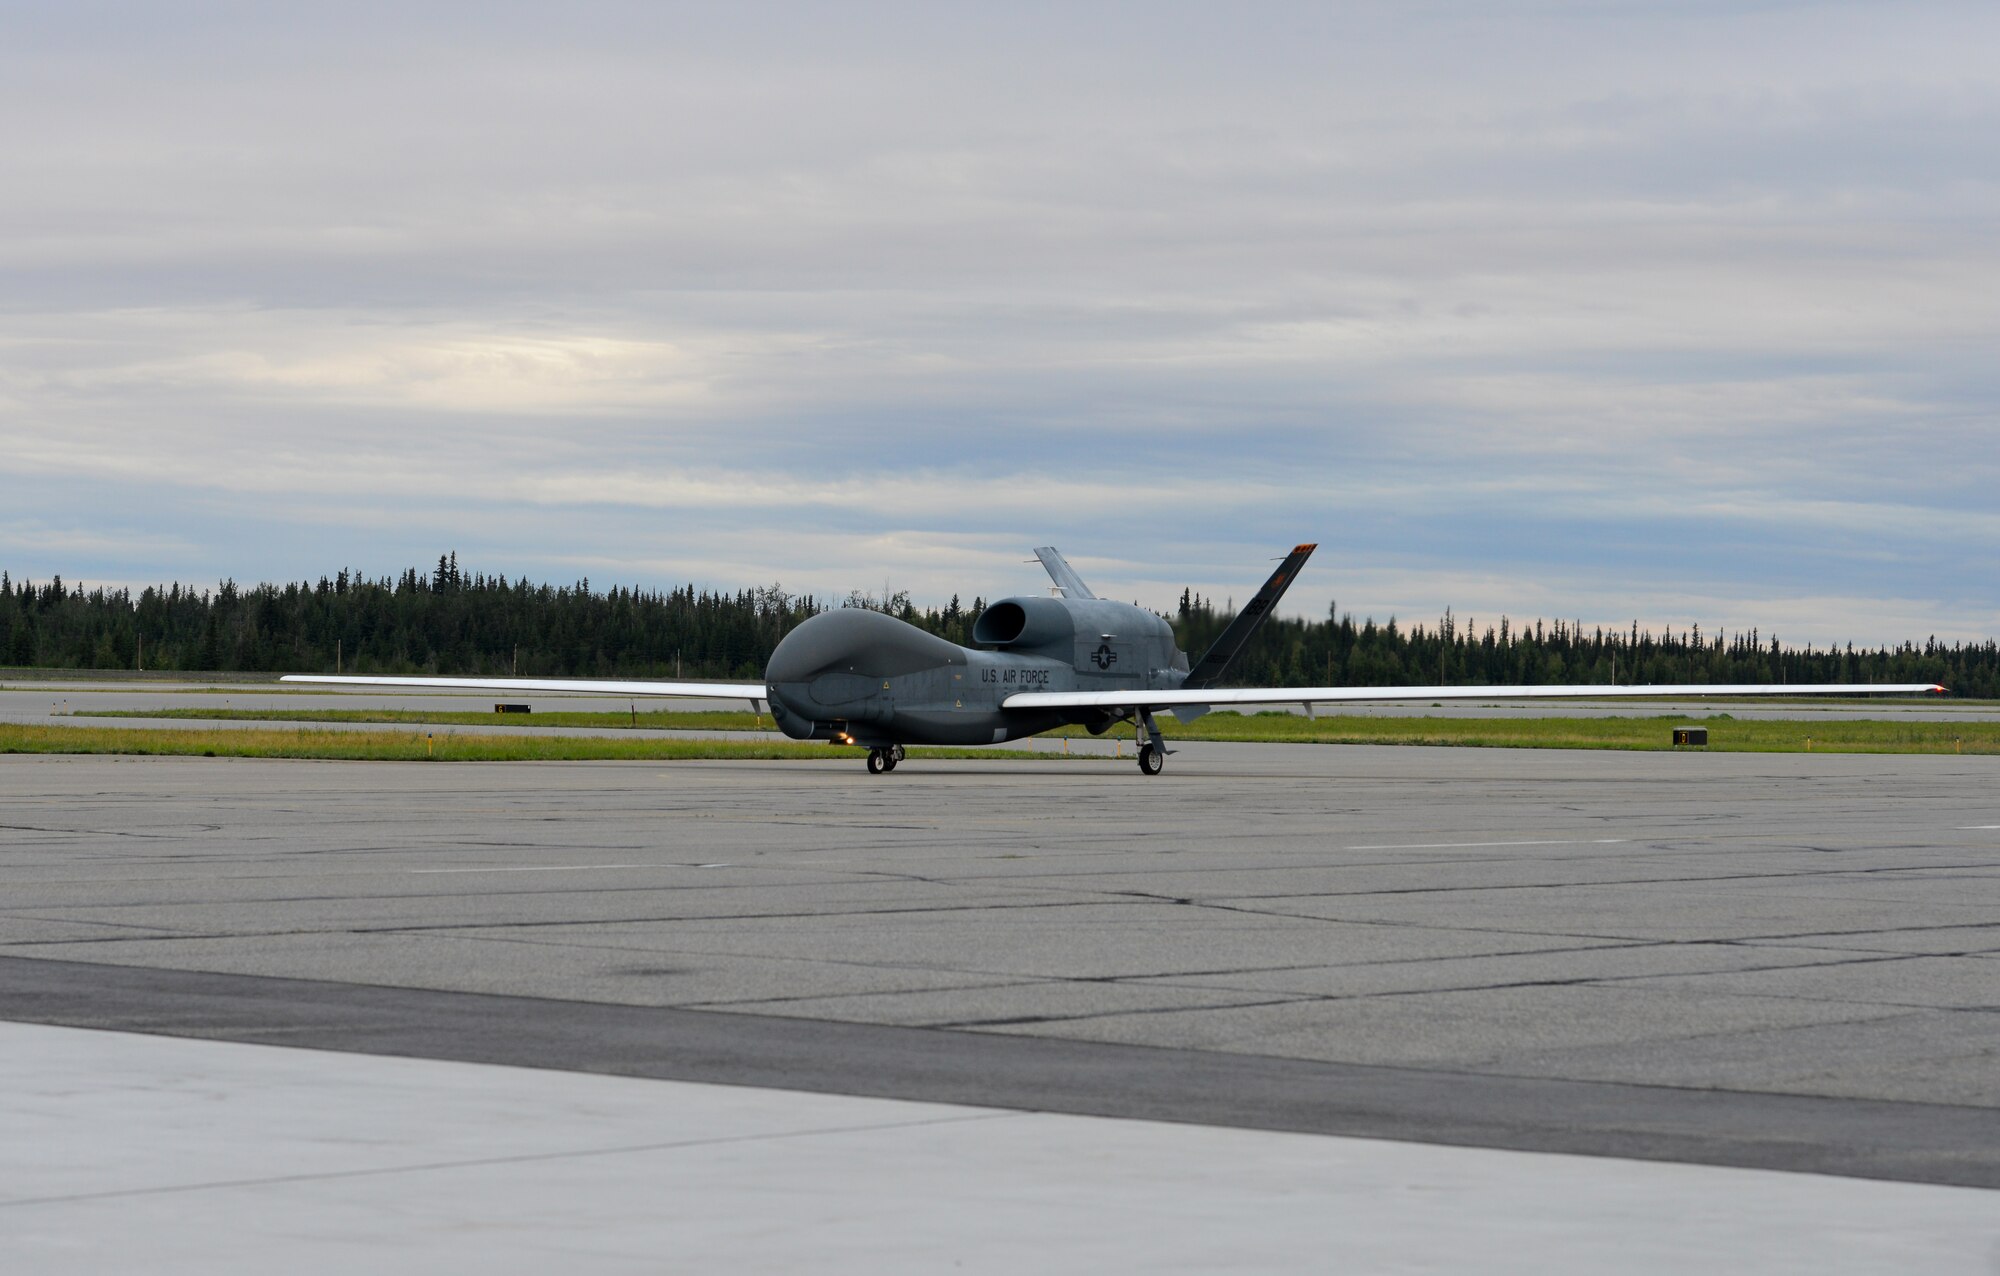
(753,691)
(1218,696)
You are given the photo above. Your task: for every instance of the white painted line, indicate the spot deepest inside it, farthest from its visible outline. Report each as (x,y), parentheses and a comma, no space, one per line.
(1457,846)
(1968,827)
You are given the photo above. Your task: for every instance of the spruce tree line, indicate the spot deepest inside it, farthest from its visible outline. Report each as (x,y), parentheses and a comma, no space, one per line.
(450,622)
(1336,652)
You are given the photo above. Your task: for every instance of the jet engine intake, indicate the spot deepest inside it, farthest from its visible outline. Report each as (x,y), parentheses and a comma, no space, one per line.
(1027,624)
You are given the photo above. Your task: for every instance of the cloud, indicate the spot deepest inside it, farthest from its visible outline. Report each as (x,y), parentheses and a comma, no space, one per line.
(1603,307)
(41,538)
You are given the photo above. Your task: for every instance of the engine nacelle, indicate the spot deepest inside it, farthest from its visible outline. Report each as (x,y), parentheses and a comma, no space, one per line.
(1028,625)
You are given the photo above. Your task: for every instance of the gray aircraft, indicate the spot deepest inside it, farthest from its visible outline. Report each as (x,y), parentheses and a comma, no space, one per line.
(858,677)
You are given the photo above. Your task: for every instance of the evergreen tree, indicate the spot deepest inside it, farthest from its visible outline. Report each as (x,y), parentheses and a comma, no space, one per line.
(457,622)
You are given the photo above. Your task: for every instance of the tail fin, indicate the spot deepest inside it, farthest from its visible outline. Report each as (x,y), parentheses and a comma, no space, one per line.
(1063,574)
(1216,661)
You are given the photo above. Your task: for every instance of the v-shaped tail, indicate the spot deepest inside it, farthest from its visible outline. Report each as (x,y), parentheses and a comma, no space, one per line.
(1215,662)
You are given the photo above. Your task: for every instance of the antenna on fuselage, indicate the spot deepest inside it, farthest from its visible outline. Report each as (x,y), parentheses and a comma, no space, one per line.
(1055,591)
(1067,583)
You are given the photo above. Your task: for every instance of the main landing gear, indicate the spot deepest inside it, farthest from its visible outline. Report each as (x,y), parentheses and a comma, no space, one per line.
(1152,745)
(880,760)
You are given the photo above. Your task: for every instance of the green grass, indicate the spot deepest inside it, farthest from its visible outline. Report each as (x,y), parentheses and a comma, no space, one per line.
(1726,734)
(399,746)
(223,687)
(650,720)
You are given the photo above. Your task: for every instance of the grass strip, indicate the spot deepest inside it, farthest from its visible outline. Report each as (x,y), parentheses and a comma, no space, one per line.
(397,746)
(1726,734)
(650,720)
(222,689)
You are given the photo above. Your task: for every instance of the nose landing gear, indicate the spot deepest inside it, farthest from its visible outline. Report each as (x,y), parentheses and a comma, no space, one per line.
(880,760)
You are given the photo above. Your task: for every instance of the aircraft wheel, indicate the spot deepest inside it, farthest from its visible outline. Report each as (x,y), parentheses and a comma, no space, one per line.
(895,755)
(1150,759)
(878,761)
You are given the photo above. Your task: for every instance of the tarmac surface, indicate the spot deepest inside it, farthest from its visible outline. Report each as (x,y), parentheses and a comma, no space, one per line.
(126,1152)
(1776,961)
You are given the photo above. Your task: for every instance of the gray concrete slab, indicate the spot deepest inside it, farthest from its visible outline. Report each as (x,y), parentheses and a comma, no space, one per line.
(134,1153)
(1134,940)
(1771,925)
(1885,980)
(1671,916)
(1919,1141)
(1596,962)
(1923,1056)
(1466,1029)
(1982,940)
(584,972)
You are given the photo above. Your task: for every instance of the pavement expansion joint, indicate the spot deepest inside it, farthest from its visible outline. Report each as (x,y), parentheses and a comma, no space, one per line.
(974,1025)
(527,1158)
(800,915)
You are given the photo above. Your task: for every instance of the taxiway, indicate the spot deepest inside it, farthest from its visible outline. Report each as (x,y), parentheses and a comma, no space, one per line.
(1767,962)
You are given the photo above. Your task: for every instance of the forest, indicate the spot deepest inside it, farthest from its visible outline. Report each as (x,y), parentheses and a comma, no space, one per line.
(445,621)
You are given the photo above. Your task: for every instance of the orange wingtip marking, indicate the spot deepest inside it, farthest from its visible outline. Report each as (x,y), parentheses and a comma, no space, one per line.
(1304,549)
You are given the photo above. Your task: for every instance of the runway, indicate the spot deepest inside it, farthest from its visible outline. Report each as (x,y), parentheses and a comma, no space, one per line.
(1820,927)
(1768,962)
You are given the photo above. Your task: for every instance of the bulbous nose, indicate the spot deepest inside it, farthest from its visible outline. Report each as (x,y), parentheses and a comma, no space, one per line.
(822,671)
(829,641)
(840,665)
(865,644)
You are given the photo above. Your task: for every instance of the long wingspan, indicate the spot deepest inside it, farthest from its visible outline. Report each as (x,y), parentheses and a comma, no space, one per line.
(1328,695)
(751,691)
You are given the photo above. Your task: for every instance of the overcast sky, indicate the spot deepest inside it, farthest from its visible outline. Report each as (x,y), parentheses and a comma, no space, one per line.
(1676,312)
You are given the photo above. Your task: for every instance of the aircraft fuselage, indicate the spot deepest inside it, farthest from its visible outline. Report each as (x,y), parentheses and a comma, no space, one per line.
(861,676)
